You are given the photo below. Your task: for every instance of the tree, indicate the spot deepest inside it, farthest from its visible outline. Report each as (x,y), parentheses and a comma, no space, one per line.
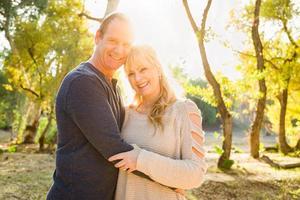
(10,12)
(46,48)
(222,109)
(285,65)
(46,41)
(280,57)
(257,123)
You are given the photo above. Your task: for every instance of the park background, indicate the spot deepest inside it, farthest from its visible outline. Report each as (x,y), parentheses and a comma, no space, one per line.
(239,60)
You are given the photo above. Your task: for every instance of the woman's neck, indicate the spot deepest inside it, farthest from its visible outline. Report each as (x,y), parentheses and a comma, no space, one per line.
(147,104)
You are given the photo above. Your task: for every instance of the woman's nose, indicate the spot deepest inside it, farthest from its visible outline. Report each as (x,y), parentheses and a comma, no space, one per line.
(138,77)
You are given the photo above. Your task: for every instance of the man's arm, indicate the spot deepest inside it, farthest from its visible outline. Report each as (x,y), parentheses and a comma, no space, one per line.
(88,106)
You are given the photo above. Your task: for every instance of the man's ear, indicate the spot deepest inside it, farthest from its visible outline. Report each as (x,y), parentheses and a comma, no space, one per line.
(98,37)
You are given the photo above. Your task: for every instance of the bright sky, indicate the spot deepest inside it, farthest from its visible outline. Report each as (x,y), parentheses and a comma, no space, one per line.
(164,25)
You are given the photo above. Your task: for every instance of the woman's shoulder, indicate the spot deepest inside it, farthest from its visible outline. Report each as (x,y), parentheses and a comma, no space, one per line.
(183,104)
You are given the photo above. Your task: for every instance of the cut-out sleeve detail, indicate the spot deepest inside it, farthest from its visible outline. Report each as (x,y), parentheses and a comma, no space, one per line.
(193,126)
(188,172)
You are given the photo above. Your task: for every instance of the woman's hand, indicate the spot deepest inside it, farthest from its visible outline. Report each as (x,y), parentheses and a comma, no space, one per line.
(180,191)
(128,159)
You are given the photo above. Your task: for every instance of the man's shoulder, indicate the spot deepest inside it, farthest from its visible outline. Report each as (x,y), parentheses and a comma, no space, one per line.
(79,78)
(81,70)
(82,73)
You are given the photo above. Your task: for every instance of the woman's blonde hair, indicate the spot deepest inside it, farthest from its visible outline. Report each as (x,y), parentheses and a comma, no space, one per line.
(142,54)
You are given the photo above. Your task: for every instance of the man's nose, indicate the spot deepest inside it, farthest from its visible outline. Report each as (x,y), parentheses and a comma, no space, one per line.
(119,49)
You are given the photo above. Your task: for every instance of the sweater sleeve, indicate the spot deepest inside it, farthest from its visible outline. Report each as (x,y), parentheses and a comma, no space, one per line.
(188,172)
(88,106)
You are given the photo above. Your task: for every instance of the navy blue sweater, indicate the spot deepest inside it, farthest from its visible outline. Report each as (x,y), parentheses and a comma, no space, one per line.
(89,115)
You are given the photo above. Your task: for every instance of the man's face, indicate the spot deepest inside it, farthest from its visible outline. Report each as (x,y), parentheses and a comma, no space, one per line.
(114,45)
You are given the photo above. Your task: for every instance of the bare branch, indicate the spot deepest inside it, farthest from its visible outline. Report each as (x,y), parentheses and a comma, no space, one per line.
(253,56)
(29,90)
(82,14)
(288,33)
(267,160)
(203,23)
(189,14)
(112,5)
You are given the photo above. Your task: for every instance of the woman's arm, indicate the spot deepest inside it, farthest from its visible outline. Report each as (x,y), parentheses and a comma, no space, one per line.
(186,173)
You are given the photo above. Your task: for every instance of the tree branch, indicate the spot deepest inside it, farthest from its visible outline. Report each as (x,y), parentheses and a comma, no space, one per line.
(112,5)
(82,14)
(253,56)
(267,160)
(29,90)
(203,23)
(189,14)
(288,33)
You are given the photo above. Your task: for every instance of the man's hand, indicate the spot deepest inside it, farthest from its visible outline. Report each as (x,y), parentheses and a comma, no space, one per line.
(128,159)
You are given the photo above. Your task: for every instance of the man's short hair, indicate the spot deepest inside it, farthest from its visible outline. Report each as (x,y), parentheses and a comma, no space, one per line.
(108,19)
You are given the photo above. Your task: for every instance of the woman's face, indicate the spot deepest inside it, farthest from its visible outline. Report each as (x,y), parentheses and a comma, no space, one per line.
(144,79)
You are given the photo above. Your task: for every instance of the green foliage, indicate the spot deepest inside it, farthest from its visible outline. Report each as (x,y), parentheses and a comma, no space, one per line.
(7,103)
(237,150)
(12,149)
(207,111)
(227,164)
(42,125)
(281,54)
(47,41)
(277,9)
(196,90)
(218,150)
(295,193)
(11,9)
(216,134)
(52,133)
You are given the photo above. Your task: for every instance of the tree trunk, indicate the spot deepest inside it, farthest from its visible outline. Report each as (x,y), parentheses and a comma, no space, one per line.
(279,165)
(283,145)
(225,115)
(32,123)
(42,138)
(297,147)
(256,126)
(227,132)
(112,5)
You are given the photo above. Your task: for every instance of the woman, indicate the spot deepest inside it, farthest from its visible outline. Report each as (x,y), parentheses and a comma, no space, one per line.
(167,133)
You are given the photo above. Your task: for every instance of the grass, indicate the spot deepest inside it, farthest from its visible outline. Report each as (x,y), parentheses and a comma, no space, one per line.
(27,175)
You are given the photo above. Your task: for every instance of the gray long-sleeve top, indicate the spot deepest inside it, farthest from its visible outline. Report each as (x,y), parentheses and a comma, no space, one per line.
(89,116)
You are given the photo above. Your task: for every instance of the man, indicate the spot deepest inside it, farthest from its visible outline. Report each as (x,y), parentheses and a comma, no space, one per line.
(89,117)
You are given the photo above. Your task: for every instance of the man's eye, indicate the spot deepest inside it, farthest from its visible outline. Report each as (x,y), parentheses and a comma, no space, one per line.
(127,45)
(111,41)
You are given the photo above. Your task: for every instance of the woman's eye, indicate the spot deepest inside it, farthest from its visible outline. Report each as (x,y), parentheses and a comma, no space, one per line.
(143,69)
(130,74)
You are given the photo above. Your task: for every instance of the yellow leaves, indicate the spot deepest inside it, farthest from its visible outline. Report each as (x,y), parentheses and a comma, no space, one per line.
(7,87)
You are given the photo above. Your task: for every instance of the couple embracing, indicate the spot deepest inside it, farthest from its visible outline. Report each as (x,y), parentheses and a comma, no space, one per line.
(151,150)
